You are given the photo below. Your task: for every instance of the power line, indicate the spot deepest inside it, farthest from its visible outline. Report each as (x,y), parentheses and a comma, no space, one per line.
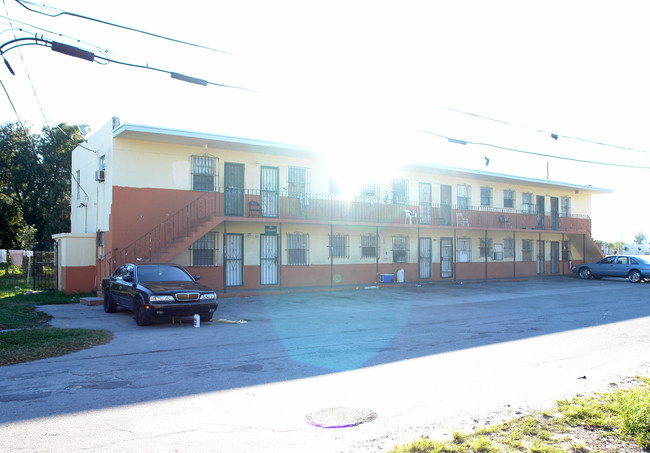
(552,134)
(466,142)
(87,55)
(44,30)
(55,12)
(29,77)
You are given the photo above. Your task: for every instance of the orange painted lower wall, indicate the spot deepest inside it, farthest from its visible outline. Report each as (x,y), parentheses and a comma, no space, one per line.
(80,279)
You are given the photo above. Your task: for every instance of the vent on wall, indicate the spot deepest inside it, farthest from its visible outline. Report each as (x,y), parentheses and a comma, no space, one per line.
(99,175)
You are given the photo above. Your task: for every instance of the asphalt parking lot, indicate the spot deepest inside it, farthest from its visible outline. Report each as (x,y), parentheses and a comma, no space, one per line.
(329,371)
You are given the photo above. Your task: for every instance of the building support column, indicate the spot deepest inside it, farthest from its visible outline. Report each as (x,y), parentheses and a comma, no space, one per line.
(454,252)
(331,256)
(486,254)
(514,255)
(223,276)
(377,250)
(280,256)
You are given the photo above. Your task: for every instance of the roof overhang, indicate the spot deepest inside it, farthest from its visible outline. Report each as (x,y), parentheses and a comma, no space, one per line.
(215,141)
(205,140)
(501,178)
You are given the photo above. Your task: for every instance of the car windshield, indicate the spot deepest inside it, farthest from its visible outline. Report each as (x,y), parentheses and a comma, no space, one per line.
(162,274)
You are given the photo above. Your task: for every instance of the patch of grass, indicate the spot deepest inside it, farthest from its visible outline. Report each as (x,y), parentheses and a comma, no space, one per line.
(32,340)
(33,344)
(616,421)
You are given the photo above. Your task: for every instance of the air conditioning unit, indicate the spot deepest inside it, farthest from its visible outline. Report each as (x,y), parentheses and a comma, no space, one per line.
(99,175)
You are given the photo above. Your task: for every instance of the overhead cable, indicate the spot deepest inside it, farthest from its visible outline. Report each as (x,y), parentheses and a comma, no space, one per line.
(55,12)
(467,142)
(552,134)
(87,55)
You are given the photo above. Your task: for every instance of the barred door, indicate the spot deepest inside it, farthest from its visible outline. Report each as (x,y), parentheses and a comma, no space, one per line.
(541,258)
(425,258)
(234,189)
(425,203)
(555,257)
(446,257)
(234,259)
(269,192)
(268,259)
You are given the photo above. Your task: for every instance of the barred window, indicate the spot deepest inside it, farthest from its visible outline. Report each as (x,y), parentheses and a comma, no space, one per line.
(486,196)
(508,248)
(339,246)
(464,249)
(203,250)
(370,189)
(297,248)
(463,196)
(485,248)
(204,169)
(369,244)
(526,250)
(400,249)
(508,198)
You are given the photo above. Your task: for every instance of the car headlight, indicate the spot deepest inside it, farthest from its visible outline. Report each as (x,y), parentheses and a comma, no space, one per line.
(161,299)
(208,296)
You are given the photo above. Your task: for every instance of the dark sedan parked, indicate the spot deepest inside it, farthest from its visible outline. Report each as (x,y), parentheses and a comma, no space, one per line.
(634,268)
(157,290)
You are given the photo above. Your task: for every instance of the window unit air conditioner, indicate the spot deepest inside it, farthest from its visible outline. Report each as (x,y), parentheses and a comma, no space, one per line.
(99,175)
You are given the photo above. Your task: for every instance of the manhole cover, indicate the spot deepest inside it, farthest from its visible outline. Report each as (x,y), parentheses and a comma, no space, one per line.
(340,417)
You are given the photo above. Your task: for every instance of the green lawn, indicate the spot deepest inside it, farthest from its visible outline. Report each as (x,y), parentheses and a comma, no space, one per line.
(27,336)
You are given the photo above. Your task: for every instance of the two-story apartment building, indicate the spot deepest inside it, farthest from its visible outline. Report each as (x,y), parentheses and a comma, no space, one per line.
(250,214)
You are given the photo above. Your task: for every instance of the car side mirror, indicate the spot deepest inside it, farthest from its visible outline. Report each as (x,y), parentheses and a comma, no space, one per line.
(197,277)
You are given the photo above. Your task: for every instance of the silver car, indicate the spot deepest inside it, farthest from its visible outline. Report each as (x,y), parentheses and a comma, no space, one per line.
(634,268)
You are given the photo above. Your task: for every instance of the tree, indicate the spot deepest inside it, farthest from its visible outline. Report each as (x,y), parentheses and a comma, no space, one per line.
(639,238)
(35,181)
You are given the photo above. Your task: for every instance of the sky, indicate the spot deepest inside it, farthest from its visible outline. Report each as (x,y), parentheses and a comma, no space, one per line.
(374,82)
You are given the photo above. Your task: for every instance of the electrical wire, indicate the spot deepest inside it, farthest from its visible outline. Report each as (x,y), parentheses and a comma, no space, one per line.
(57,12)
(22,59)
(552,134)
(44,30)
(584,161)
(90,56)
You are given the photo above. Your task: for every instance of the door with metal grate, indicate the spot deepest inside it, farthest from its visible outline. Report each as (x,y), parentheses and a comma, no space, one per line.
(541,257)
(269,192)
(555,257)
(234,259)
(268,259)
(446,257)
(445,205)
(234,189)
(425,203)
(425,258)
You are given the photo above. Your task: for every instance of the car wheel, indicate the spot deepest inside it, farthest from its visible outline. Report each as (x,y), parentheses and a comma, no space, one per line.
(205,317)
(584,273)
(109,304)
(141,315)
(634,276)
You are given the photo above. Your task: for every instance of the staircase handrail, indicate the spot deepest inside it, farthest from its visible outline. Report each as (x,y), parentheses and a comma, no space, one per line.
(177,225)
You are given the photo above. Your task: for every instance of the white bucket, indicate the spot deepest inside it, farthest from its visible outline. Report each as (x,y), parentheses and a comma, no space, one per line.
(400,276)
(197,320)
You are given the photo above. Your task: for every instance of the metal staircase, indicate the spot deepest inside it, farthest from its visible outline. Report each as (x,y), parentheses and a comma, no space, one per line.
(173,235)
